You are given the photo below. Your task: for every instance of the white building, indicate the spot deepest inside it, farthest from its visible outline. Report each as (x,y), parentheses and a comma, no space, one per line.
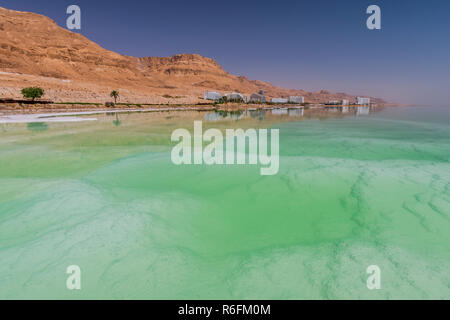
(296,99)
(235,96)
(362,101)
(258,97)
(279,100)
(345,102)
(333,102)
(212,95)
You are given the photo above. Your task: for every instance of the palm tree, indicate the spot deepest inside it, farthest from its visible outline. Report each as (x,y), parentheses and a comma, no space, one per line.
(114,94)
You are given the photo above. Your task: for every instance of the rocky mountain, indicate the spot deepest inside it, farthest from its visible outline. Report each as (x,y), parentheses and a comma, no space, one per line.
(34,50)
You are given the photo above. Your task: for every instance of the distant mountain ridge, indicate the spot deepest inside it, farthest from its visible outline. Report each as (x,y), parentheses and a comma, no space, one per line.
(34,50)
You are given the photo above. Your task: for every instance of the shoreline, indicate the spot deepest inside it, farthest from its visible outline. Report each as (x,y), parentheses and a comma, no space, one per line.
(43,113)
(72,116)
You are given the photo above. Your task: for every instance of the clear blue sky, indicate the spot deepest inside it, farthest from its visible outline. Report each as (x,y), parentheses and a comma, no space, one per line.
(312,45)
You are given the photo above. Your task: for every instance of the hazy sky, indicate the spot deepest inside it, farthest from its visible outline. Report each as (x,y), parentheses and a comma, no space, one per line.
(312,45)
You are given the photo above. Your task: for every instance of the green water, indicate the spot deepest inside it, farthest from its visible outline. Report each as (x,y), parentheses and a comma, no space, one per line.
(352,191)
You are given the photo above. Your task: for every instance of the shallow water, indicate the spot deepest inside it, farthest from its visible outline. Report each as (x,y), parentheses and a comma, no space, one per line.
(353,190)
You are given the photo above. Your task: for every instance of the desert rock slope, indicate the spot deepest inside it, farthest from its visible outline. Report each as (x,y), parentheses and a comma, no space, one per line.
(34,50)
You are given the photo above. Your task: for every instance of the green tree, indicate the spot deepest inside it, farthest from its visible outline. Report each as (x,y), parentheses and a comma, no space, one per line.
(114,94)
(32,93)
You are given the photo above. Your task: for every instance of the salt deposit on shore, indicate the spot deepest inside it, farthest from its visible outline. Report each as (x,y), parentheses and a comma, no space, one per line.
(72,116)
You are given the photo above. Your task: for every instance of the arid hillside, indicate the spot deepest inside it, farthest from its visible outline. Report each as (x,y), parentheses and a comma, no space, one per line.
(35,51)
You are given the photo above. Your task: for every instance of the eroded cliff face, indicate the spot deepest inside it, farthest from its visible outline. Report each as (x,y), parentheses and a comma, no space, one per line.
(34,50)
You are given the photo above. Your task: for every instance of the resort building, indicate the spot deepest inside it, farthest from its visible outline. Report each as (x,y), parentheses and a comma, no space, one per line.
(362,101)
(279,100)
(345,102)
(258,97)
(296,99)
(235,96)
(333,102)
(212,95)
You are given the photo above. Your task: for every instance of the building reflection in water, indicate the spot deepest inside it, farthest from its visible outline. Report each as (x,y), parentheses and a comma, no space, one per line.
(362,111)
(259,114)
(279,112)
(298,112)
(358,111)
(213,116)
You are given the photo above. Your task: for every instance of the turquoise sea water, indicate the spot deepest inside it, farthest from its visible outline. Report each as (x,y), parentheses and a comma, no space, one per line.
(353,190)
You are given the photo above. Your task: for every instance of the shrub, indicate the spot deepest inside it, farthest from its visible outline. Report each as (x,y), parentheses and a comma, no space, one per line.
(32,93)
